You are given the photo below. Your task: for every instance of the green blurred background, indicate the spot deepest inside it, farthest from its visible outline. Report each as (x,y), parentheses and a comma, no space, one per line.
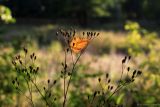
(127,27)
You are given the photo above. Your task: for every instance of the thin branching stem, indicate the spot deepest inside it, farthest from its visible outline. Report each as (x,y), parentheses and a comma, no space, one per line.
(72,71)
(64,80)
(28,85)
(20,91)
(40,93)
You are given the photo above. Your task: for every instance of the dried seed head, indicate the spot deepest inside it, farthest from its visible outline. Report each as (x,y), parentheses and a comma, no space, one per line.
(94,34)
(107,75)
(91,33)
(37,69)
(54,82)
(108,87)
(95,93)
(67,49)
(69,73)
(25,50)
(31,56)
(98,34)
(124,60)
(68,41)
(30,67)
(13,81)
(88,97)
(99,79)
(134,72)
(13,62)
(109,80)
(111,88)
(65,66)
(18,57)
(20,62)
(98,92)
(16,88)
(35,58)
(139,72)
(44,88)
(48,81)
(49,94)
(128,68)
(83,33)
(129,57)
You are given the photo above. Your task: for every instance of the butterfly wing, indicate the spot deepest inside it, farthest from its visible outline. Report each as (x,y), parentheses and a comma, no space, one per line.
(78,44)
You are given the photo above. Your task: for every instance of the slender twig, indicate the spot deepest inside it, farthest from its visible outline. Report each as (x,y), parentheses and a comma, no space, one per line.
(20,91)
(74,64)
(64,80)
(92,100)
(121,72)
(28,85)
(101,87)
(72,71)
(118,87)
(40,93)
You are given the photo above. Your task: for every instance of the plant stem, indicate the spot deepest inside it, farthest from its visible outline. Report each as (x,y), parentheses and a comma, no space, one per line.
(72,71)
(40,93)
(64,81)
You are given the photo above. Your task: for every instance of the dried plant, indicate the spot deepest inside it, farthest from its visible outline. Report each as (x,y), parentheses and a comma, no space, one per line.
(74,44)
(108,90)
(26,77)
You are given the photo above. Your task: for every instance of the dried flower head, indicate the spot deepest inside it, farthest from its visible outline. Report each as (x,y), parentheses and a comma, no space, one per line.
(75,42)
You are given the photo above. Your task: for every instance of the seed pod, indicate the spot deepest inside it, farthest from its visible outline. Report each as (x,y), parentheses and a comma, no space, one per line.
(13,81)
(31,56)
(88,97)
(134,72)
(54,81)
(108,87)
(109,80)
(124,60)
(111,87)
(99,79)
(48,81)
(95,93)
(128,68)
(129,57)
(98,34)
(65,66)
(67,49)
(49,94)
(20,62)
(107,75)
(44,88)
(139,72)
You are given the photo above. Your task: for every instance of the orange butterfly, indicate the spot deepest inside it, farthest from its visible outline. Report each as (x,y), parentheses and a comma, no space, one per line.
(77,44)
